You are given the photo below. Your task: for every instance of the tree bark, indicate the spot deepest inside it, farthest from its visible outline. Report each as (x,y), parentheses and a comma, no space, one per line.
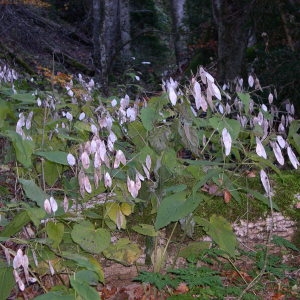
(125,28)
(232,18)
(111,30)
(180,30)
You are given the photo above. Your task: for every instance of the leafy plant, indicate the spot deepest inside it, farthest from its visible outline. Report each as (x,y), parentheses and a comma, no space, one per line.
(166,155)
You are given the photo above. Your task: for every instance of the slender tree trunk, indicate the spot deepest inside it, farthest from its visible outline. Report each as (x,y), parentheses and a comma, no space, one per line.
(232,19)
(111,30)
(125,28)
(96,37)
(180,32)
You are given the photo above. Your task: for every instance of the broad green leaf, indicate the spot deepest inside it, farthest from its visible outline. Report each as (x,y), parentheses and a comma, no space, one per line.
(233,126)
(159,138)
(26,98)
(52,172)
(58,157)
(24,148)
(88,276)
(7,281)
(294,136)
(193,249)
(174,208)
(88,262)
(245,98)
(55,232)
(82,126)
(137,134)
(36,214)
(175,188)
(84,290)
(169,160)
(219,229)
(114,212)
(33,192)
(145,229)
(16,224)
(5,112)
(148,116)
(56,295)
(124,251)
(90,239)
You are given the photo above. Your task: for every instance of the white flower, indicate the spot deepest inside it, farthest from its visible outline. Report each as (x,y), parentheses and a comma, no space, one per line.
(260,150)
(85,160)
(81,116)
(124,103)
(132,187)
(87,184)
(94,128)
(114,102)
(266,183)
(131,114)
(39,102)
(120,158)
(171,87)
(250,80)
(107,180)
(69,116)
(50,205)
(293,157)
(227,141)
(71,159)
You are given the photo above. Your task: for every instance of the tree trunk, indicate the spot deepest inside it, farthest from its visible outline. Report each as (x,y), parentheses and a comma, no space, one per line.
(125,28)
(180,32)
(97,29)
(111,31)
(232,18)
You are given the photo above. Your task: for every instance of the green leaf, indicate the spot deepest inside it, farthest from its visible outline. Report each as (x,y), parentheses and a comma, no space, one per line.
(233,126)
(55,232)
(26,98)
(36,215)
(294,136)
(24,148)
(262,198)
(245,98)
(87,276)
(174,208)
(7,281)
(159,138)
(84,290)
(137,133)
(58,157)
(280,241)
(56,295)
(16,224)
(52,172)
(124,251)
(90,239)
(193,249)
(88,262)
(148,116)
(33,192)
(145,229)
(219,229)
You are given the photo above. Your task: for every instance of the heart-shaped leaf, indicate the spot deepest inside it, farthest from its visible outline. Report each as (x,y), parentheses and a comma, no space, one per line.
(90,239)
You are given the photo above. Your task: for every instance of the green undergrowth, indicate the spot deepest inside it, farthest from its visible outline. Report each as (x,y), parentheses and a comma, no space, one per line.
(88,174)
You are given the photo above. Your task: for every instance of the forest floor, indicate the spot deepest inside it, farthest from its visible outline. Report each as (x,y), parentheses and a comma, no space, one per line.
(33,41)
